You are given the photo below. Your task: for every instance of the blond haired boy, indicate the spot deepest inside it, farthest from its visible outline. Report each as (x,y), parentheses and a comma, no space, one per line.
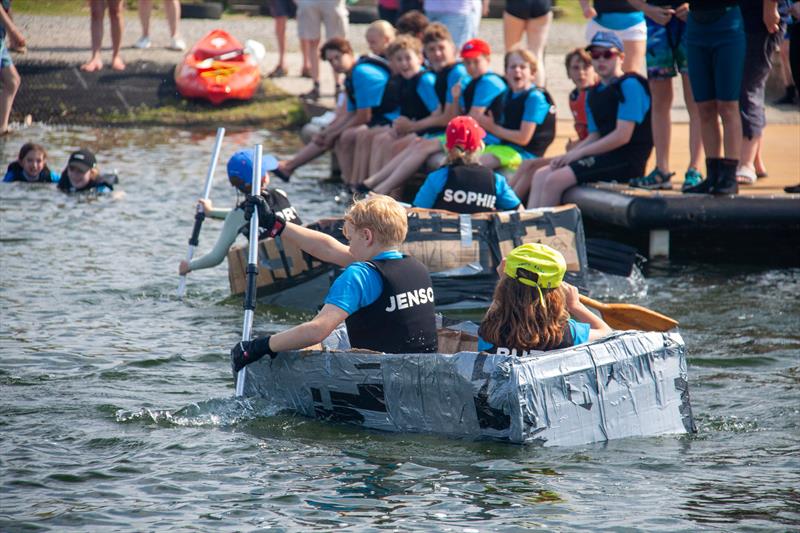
(384,298)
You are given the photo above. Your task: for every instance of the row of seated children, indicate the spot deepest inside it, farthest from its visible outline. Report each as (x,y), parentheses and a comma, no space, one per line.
(81,175)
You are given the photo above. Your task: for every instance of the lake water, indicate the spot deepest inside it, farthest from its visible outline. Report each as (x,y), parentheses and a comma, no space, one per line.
(117,409)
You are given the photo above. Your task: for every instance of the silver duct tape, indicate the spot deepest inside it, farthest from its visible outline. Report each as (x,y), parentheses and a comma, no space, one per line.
(629,384)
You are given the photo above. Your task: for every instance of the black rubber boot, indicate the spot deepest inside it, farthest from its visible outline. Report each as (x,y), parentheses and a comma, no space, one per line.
(712,171)
(726,177)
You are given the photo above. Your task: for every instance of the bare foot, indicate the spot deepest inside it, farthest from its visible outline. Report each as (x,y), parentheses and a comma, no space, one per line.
(94,64)
(117,63)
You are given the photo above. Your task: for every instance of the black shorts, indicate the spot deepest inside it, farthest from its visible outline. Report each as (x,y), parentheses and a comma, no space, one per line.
(528,9)
(618,165)
(282,8)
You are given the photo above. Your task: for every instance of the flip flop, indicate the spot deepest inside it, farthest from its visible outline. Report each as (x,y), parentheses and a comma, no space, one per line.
(746,176)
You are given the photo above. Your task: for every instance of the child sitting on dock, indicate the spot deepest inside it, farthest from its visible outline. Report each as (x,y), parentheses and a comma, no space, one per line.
(31,166)
(464,186)
(620,139)
(384,298)
(367,104)
(427,137)
(240,174)
(522,118)
(379,35)
(83,176)
(531,307)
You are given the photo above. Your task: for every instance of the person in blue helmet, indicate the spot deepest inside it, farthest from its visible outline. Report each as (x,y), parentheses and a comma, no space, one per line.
(240,174)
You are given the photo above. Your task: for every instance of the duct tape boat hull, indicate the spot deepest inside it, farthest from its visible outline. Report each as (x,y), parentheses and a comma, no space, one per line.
(627,385)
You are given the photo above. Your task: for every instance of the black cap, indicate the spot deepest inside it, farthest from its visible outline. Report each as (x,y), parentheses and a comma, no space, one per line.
(83,156)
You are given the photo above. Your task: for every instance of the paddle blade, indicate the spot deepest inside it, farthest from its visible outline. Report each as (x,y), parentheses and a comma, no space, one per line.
(255,49)
(630,316)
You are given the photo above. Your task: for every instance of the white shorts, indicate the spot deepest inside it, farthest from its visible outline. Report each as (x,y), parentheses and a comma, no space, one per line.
(637,32)
(312,13)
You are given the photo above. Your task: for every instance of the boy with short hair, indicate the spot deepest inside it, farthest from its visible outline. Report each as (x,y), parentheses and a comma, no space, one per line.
(485,85)
(384,298)
(379,34)
(620,138)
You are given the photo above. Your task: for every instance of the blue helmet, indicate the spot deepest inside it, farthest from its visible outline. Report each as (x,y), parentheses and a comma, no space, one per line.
(240,168)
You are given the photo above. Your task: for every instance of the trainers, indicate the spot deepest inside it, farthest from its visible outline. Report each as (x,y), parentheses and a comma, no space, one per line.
(653,181)
(177,44)
(691,178)
(142,43)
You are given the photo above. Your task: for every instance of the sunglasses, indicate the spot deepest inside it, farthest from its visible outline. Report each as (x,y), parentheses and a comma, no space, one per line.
(605,54)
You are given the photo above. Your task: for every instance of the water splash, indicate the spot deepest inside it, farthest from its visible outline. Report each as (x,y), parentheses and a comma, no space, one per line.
(216,412)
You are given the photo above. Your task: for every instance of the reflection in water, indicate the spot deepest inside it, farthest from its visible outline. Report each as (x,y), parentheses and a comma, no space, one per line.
(117,406)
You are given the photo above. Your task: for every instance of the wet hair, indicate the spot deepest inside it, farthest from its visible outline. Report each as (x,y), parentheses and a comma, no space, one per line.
(383,215)
(436,31)
(414,22)
(338,44)
(385,29)
(517,319)
(404,42)
(31,147)
(526,56)
(586,59)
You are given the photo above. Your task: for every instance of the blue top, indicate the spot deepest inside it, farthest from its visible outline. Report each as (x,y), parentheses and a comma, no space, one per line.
(426,89)
(369,82)
(359,285)
(488,88)
(536,107)
(579,330)
(436,180)
(634,108)
(457,74)
(10,177)
(619,21)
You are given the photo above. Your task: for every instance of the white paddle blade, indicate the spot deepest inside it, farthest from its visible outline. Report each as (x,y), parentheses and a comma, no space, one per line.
(255,49)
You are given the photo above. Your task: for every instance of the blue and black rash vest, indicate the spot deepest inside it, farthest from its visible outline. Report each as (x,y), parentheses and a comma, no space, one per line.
(279,202)
(99,185)
(604,105)
(469,91)
(508,109)
(16,173)
(402,319)
(469,189)
(567,341)
(390,98)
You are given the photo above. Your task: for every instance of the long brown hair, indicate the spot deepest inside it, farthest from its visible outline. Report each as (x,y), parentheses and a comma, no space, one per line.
(517,319)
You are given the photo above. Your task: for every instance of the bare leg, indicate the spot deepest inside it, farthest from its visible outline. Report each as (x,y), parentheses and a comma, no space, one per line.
(695,137)
(280,34)
(115,18)
(97,10)
(418,154)
(759,163)
(363,149)
(173,10)
(386,171)
(749,151)
(145,8)
(522,178)
(731,128)
(661,98)
(634,56)
(513,28)
(396,147)
(538,30)
(344,151)
(10,85)
(537,182)
(554,185)
(313,47)
(489,161)
(307,153)
(709,128)
(383,147)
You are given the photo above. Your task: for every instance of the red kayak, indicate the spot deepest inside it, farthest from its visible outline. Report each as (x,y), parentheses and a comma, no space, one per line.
(218,68)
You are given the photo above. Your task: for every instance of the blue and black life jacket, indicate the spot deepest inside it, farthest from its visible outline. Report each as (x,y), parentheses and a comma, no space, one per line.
(469,90)
(411,103)
(468,189)
(440,86)
(278,201)
(508,109)
(604,105)
(390,99)
(16,173)
(103,180)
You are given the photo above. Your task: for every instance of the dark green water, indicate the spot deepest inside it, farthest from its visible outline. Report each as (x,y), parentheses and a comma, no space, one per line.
(117,409)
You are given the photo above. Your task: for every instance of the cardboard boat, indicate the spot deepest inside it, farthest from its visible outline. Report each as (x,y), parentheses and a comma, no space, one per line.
(630,384)
(461,252)
(216,69)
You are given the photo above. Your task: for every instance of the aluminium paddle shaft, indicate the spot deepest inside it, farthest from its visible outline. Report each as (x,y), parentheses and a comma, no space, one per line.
(200,214)
(252,267)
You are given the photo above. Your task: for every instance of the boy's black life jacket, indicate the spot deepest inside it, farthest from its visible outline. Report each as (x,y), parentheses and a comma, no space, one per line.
(389,100)
(279,203)
(402,319)
(440,86)
(109,180)
(613,6)
(469,90)
(567,341)
(468,189)
(508,109)
(411,103)
(604,104)
(17,174)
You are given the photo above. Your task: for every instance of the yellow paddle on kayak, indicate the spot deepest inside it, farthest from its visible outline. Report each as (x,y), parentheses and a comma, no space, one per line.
(630,316)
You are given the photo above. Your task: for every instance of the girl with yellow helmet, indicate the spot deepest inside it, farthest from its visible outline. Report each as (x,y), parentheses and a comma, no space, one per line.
(532,306)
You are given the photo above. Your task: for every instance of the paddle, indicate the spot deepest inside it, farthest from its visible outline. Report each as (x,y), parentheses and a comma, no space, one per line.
(200,214)
(251,47)
(252,267)
(630,316)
